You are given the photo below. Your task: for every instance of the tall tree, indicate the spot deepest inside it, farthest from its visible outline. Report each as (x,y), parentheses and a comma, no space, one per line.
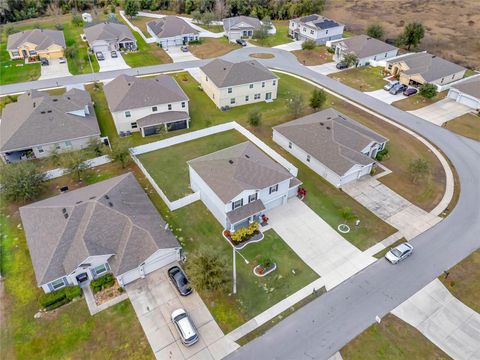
(121,151)
(375,31)
(318,98)
(131,8)
(413,33)
(21,181)
(207,270)
(75,162)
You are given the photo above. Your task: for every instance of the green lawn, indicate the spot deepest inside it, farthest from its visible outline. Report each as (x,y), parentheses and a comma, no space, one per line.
(416,102)
(212,28)
(392,339)
(212,47)
(80,64)
(280,37)
(364,78)
(317,56)
(467,125)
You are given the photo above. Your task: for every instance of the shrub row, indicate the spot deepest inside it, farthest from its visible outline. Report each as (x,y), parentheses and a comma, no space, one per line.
(246,233)
(60,297)
(102,282)
(383,154)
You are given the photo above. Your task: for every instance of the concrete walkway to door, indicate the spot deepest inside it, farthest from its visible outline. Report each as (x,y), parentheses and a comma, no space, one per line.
(318,245)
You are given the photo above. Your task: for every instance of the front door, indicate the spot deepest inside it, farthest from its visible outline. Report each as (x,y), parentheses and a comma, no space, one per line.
(82,277)
(24,53)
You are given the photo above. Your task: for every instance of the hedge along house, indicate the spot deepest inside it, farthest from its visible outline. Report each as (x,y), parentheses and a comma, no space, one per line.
(38,124)
(240,183)
(334,146)
(234,84)
(110,226)
(172,31)
(35,44)
(366,48)
(148,105)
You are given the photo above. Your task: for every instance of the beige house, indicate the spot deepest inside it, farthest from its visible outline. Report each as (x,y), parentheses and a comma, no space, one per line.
(36,43)
(234,84)
(421,68)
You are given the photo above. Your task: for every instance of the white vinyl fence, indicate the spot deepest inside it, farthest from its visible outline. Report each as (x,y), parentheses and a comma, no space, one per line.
(55,173)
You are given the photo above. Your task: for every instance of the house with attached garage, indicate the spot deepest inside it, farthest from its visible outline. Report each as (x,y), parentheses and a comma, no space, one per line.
(233,84)
(110,226)
(467,92)
(421,68)
(35,44)
(108,36)
(147,105)
(315,27)
(38,124)
(240,27)
(172,31)
(366,48)
(336,147)
(240,183)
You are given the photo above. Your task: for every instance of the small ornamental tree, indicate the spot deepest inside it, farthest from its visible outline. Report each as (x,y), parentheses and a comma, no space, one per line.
(375,31)
(428,91)
(255,117)
(20,181)
(308,45)
(207,270)
(295,105)
(77,20)
(412,34)
(419,169)
(350,59)
(319,96)
(75,162)
(121,151)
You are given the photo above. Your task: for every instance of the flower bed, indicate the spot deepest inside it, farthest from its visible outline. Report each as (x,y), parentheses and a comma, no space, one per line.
(265,267)
(244,236)
(108,294)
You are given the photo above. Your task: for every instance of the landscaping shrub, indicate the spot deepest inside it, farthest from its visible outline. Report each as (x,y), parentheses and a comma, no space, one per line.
(73,292)
(195,42)
(102,282)
(266,262)
(60,297)
(428,91)
(246,233)
(309,45)
(59,26)
(254,117)
(383,154)
(330,50)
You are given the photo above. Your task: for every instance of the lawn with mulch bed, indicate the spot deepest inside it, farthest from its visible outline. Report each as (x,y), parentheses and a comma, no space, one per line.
(364,78)
(317,56)
(212,47)
(467,125)
(416,102)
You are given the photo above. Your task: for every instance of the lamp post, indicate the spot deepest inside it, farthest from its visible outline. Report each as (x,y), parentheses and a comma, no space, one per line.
(235,267)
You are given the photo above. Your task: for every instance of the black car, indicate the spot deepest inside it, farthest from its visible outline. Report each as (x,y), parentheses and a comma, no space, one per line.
(179,279)
(241,42)
(341,66)
(44,61)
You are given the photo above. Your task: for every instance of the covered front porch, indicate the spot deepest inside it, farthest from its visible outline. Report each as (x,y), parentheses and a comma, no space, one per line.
(245,215)
(168,121)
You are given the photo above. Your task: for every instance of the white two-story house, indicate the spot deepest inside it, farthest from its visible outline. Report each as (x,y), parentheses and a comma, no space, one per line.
(233,84)
(315,27)
(148,105)
(240,183)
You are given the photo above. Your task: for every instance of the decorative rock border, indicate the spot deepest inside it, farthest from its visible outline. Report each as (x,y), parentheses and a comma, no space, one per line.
(256,238)
(343,228)
(267,271)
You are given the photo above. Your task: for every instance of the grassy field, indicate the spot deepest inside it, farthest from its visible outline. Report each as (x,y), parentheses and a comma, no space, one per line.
(212,28)
(416,102)
(392,339)
(466,125)
(212,47)
(318,56)
(81,64)
(364,78)
(280,37)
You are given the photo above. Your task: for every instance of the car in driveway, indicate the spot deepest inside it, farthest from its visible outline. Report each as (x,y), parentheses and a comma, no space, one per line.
(62,60)
(390,85)
(184,48)
(179,280)
(410,91)
(185,327)
(341,66)
(114,54)
(100,56)
(241,42)
(399,253)
(398,89)
(44,61)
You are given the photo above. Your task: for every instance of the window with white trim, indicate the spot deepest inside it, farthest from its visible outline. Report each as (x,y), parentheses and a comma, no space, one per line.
(273,189)
(263,84)
(308,158)
(134,125)
(15,53)
(100,269)
(290,145)
(57,284)
(232,101)
(128,114)
(57,147)
(169,106)
(40,149)
(311,32)
(183,104)
(154,108)
(246,97)
(274,82)
(237,204)
(252,197)
(326,32)
(257,96)
(251,86)
(229,90)
(68,143)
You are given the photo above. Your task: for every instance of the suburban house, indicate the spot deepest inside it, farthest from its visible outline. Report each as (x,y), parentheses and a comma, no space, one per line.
(336,147)
(234,84)
(240,183)
(147,105)
(240,27)
(467,92)
(421,68)
(35,44)
(172,31)
(110,226)
(366,48)
(107,36)
(38,123)
(315,27)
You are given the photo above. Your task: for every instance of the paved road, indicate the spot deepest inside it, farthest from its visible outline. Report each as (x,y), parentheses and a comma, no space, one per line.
(325,325)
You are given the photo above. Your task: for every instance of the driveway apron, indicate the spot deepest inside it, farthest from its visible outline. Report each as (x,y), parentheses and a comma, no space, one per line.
(441,111)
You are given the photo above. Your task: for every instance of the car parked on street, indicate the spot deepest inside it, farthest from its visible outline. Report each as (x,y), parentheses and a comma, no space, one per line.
(179,280)
(398,89)
(114,54)
(100,56)
(390,85)
(185,327)
(241,42)
(341,66)
(410,91)
(184,48)
(399,253)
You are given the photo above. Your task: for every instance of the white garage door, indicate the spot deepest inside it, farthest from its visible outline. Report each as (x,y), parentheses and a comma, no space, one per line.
(474,104)
(160,261)
(129,276)
(274,203)
(350,177)
(102,48)
(452,94)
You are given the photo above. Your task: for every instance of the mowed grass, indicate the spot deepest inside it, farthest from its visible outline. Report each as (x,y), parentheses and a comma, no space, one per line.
(416,102)
(280,37)
(80,64)
(467,125)
(364,78)
(141,23)
(212,47)
(318,56)
(146,54)
(171,163)
(392,339)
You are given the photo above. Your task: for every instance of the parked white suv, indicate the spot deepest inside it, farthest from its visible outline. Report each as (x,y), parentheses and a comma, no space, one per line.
(185,327)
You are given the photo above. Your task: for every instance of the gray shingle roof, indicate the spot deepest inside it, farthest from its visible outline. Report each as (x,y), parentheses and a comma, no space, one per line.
(332,138)
(318,21)
(108,31)
(232,22)
(470,87)
(130,229)
(365,46)
(170,26)
(43,38)
(128,92)
(162,118)
(241,167)
(245,211)
(224,73)
(430,67)
(38,118)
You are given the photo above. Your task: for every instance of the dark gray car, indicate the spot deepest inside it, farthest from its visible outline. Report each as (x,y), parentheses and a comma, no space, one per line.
(179,279)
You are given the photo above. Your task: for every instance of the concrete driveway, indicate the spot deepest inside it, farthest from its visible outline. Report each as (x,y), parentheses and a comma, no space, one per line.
(54,70)
(154,299)
(325,69)
(112,63)
(318,245)
(177,55)
(446,321)
(291,46)
(441,111)
(385,96)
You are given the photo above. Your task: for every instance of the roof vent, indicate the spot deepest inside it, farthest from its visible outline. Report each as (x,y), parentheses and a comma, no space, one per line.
(107,197)
(49,111)
(65,216)
(247,156)
(110,204)
(79,202)
(64,210)
(329,118)
(321,123)
(128,84)
(55,100)
(224,69)
(34,104)
(230,161)
(42,112)
(328,127)
(92,197)
(68,97)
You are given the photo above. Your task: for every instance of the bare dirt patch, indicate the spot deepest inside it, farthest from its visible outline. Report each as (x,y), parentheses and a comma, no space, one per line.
(262,56)
(212,47)
(317,56)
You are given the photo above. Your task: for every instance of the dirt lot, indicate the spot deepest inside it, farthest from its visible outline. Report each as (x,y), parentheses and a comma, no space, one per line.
(452,27)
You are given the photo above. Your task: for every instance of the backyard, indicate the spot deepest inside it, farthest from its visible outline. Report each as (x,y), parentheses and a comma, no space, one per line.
(364,78)
(279,38)
(466,125)
(416,102)
(212,47)
(317,56)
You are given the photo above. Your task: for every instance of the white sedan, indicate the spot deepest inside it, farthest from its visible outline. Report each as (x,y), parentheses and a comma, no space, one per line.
(398,253)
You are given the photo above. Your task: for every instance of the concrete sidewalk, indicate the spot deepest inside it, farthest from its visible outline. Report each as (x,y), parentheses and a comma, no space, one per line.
(446,321)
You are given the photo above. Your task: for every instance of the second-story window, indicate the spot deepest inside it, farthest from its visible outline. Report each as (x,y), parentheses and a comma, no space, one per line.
(290,145)
(308,158)
(273,189)
(326,32)
(154,108)
(229,90)
(246,97)
(183,104)
(252,197)
(169,106)
(263,84)
(232,101)
(237,204)
(127,114)
(311,32)
(274,82)
(251,86)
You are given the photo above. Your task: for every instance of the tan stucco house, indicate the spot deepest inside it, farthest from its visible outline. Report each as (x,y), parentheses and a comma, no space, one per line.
(36,43)
(234,84)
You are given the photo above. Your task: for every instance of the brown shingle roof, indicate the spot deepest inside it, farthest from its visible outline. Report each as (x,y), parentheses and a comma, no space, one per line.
(43,38)
(170,26)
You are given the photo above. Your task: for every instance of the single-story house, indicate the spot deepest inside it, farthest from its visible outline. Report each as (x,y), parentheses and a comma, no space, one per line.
(107,36)
(315,27)
(467,92)
(110,226)
(336,147)
(240,183)
(38,123)
(366,48)
(147,105)
(234,84)
(240,27)
(35,44)
(421,68)
(172,31)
